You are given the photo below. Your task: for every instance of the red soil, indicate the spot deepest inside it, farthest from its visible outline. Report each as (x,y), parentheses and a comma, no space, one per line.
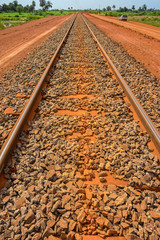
(17,42)
(142,41)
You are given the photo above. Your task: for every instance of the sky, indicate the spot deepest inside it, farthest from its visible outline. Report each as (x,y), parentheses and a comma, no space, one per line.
(93,4)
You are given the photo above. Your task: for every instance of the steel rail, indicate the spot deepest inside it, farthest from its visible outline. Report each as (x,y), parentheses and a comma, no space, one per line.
(8,146)
(146,121)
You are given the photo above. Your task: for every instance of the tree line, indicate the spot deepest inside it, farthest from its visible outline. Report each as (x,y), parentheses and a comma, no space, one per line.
(16,7)
(46,5)
(125,9)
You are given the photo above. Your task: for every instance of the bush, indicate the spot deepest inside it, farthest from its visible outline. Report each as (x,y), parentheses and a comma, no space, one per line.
(110,14)
(30,18)
(144,18)
(1,26)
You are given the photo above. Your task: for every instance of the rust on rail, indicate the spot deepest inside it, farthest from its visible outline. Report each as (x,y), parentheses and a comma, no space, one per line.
(9,144)
(146,121)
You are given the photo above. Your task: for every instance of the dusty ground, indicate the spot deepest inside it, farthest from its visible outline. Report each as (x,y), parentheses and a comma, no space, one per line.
(17,41)
(27,46)
(140,40)
(142,28)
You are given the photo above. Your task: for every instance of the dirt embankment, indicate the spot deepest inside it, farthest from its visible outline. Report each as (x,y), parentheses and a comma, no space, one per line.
(136,38)
(140,40)
(17,41)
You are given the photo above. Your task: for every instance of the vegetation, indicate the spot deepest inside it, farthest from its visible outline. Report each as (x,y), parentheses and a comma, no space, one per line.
(14,19)
(14,13)
(45,5)
(125,9)
(15,7)
(154,21)
(1,26)
(150,16)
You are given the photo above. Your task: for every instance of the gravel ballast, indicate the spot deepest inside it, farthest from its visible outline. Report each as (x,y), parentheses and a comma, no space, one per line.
(143,84)
(23,78)
(74,139)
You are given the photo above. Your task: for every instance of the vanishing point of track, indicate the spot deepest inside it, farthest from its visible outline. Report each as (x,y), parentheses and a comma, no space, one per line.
(84,167)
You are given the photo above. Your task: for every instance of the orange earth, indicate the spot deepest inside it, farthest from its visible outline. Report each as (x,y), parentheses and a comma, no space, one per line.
(141,41)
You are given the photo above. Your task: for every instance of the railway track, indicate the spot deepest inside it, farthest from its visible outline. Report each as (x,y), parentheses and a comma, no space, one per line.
(143,84)
(79,171)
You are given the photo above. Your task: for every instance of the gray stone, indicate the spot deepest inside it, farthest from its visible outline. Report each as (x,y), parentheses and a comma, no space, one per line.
(132,237)
(111,188)
(56,205)
(71,236)
(102,179)
(51,223)
(6,199)
(51,175)
(48,232)
(62,224)
(100,221)
(102,174)
(121,200)
(37,236)
(29,217)
(72,225)
(81,217)
(111,232)
(78,237)
(155,215)
(19,203)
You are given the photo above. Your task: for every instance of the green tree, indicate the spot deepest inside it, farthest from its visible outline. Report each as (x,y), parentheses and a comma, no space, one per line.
(12,7)
(125,9)
(31,8)
(139,9)
(15,3)
(42,3)
(45,5)
(5,8)
(33,4)
(108,8)
(133,7)
(26,8)
(113,7)
(144,7)
(48,5)
(19,9)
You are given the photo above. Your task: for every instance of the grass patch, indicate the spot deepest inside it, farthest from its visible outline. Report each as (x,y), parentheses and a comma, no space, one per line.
(1,26)
(154,21)
(13,19)
(147,17)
